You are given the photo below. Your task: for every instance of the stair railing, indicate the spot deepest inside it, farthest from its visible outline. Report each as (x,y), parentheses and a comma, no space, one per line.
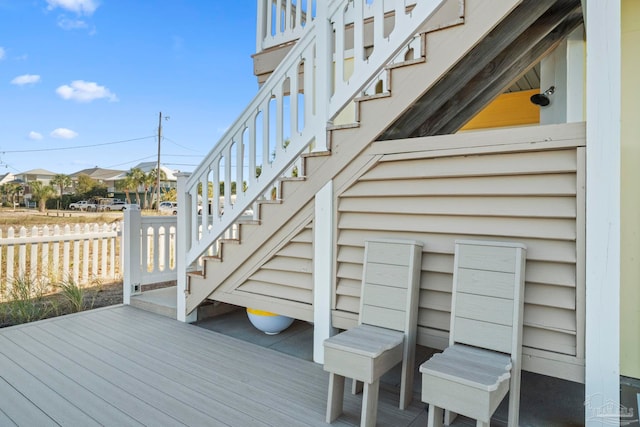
(292,109)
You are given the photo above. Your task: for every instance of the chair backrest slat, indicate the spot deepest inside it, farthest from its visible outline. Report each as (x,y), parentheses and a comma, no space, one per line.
(390,283)
(488,288)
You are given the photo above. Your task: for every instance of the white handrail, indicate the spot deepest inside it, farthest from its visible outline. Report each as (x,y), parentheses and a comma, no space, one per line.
(290,112)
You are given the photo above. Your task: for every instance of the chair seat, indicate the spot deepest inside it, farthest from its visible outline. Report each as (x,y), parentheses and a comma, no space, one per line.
(474,367)
(363,353)
(365,340)
(467,380)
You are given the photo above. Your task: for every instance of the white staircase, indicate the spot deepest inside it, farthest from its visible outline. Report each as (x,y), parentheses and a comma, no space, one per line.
(225,247)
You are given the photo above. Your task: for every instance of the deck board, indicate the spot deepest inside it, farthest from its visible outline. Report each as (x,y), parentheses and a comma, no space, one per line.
(124,366)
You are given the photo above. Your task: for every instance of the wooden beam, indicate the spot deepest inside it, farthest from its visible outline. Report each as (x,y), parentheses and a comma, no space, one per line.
(499,73)
(451,120)
(491,46)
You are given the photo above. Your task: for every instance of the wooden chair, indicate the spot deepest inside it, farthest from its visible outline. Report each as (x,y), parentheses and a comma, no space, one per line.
(386,331)
(482,363)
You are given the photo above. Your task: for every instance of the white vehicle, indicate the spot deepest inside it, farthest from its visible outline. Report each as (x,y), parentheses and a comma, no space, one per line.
(82,205)
(168,208)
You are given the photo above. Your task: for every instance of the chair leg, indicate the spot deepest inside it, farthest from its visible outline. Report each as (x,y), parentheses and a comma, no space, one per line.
(356,386)
(370,404)
(435,416)
(514,402)
(449,417)
(336,397)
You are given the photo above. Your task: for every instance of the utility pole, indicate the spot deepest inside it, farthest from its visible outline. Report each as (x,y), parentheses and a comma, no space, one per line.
(158,168)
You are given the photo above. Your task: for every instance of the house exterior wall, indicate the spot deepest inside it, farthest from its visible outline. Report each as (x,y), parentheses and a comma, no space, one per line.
(630,198)
(508,190)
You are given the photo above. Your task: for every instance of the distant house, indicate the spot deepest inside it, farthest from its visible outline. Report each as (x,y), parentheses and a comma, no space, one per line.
(108,177)
(6,178)
(42,175)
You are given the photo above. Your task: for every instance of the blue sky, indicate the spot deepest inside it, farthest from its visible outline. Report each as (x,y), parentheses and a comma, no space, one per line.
(92,73)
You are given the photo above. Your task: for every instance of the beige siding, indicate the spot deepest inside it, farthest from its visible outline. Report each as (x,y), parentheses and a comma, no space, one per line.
(525,196)
(288,275)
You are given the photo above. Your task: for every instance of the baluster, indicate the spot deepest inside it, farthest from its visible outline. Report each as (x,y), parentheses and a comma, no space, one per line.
(279,99)
(10,260)
(293,102)
(66,264)
(265,134)
(271,30)
(204,182)
(298,18)
(33,258)
(339,49)
(76,254)
(288,18)
(103,258)
(112,256)
(239,163)
(86,259)
(95,252)
(378,24)
(251,178)
(56,254)
(44,265)
(227,205)
(278,31)
(22,255)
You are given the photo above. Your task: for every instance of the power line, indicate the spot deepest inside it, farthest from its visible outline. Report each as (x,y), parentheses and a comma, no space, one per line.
(179,145)
(42,150)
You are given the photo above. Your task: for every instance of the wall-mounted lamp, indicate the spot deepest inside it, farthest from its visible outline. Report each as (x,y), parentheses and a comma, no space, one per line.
(542,99)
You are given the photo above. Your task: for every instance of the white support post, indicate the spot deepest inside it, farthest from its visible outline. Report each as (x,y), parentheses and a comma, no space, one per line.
(184,218)
(322,80)
(576,76)
(322,270)
(602,341)
(131,248)
(261,27)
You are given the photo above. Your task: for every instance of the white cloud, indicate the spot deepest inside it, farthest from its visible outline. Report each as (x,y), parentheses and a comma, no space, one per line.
(2,53)
(25,79)
(63,133)
(82,91)
(71,24)
(36,136)
(81,7)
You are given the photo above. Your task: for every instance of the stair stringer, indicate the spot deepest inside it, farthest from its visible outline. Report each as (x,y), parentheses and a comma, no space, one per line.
(408,85)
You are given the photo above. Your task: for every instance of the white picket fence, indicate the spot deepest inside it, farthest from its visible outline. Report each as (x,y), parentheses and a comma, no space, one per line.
(48,255)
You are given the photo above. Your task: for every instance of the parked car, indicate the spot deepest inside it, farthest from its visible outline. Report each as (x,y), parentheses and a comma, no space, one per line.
(116,205)
(82,205)
(168,208)
(131,206)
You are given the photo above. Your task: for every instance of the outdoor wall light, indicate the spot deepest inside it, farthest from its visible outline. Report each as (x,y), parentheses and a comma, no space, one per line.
(542,99)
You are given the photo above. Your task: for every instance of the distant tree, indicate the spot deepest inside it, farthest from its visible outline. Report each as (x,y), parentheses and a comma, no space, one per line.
(12,190)
(85,184)
(136,176)
(171,195)
(153,176)
(62,181)
(147,182)
(41,193)
(127,185)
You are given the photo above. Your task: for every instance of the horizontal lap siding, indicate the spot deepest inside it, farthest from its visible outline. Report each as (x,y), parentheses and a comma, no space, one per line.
(528,197)
(288,275)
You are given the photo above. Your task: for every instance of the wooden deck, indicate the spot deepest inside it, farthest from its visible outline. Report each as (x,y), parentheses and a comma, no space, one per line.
(124,366)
